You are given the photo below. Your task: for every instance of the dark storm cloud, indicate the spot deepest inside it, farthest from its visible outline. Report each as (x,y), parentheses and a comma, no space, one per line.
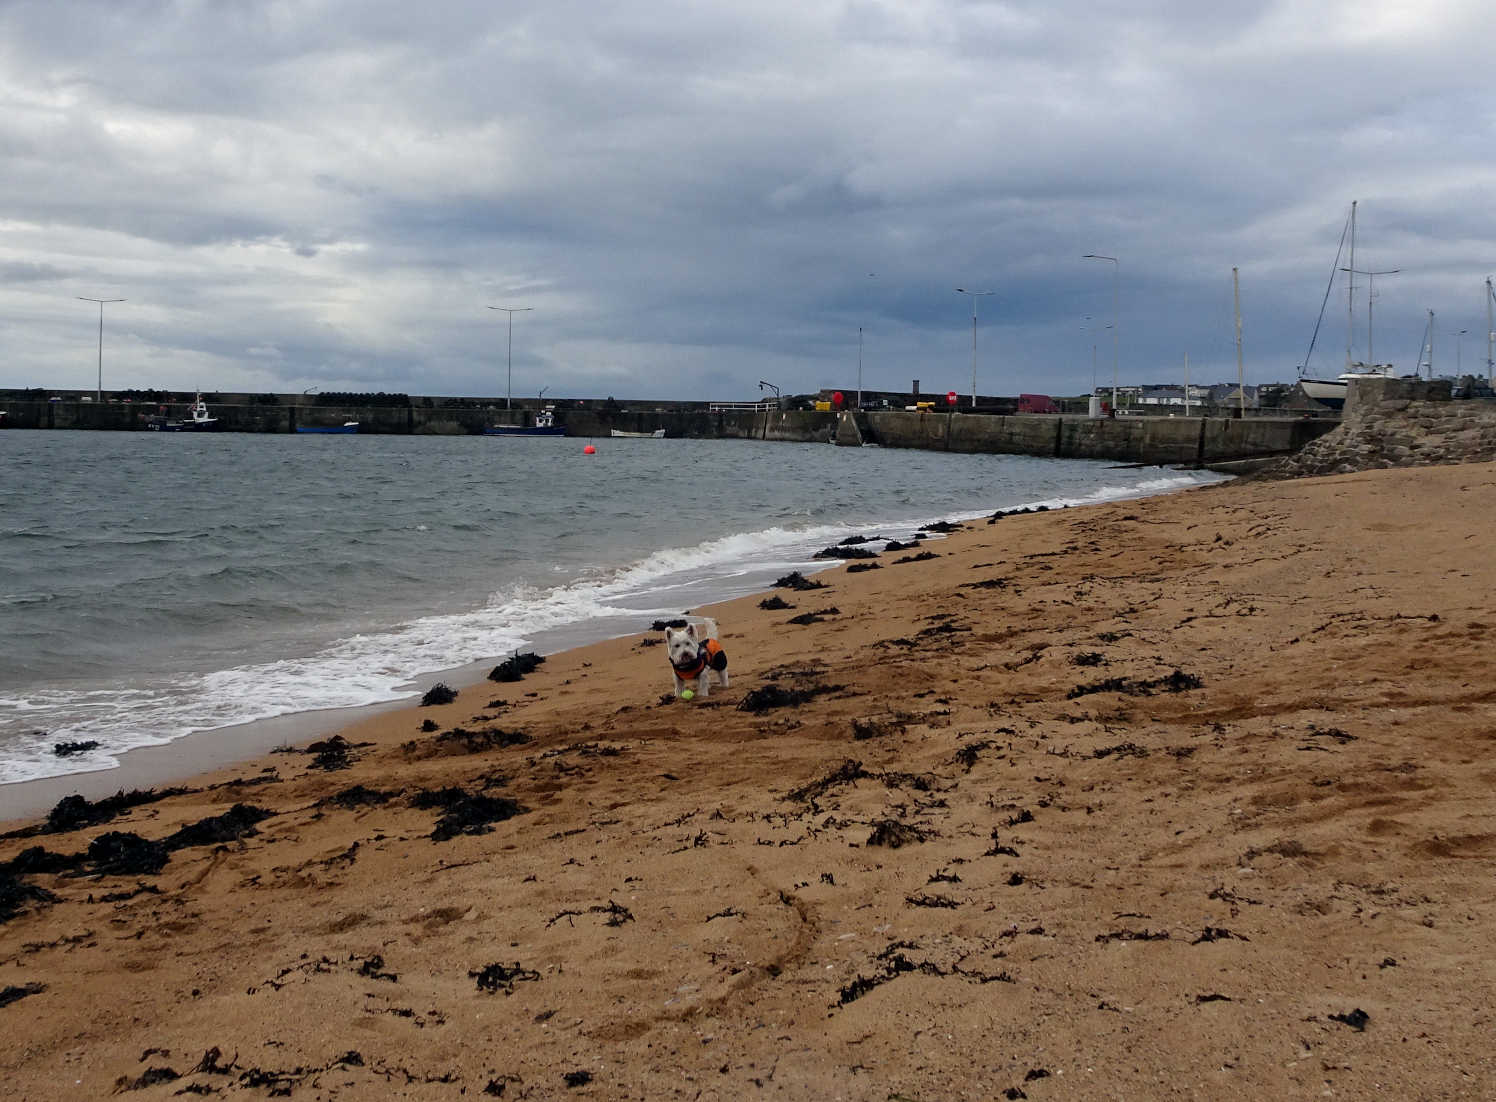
(695,197)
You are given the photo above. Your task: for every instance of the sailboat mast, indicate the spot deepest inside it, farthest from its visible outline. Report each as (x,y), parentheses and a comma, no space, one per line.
(1490,335)
(1350,294)
(1241,390)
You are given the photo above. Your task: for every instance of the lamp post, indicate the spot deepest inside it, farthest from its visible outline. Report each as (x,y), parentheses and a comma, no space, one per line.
(870,275)
(84,298)
(859,367)
(1459,352)
(1116,281)
(974,296)
(511,311)
(1083,328)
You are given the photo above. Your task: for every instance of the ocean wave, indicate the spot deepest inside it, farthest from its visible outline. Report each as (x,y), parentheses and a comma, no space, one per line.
(585,602)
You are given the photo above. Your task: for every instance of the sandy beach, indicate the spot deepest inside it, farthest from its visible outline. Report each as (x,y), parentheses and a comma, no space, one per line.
(1181,797)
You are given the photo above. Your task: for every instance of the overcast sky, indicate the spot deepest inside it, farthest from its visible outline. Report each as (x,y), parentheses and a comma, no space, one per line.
(694,197)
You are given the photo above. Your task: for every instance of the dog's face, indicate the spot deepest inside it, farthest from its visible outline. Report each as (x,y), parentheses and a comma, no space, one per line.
(682,644)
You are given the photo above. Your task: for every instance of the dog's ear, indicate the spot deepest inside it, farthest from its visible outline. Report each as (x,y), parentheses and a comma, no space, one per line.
(691,630)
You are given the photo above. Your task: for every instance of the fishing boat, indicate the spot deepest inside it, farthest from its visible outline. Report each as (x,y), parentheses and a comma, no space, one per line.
(198,419)
(347,428)
(544,424)
(658,434)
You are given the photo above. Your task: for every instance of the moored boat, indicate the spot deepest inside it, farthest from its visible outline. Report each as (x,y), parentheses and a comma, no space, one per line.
(198,419)
(543,425)
(347,428)
(658,434)
(1332,392)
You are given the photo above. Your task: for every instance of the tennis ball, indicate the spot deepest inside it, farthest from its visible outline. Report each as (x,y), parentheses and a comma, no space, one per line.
(688,694)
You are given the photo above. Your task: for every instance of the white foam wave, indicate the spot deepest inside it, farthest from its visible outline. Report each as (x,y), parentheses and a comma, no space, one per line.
(380,667)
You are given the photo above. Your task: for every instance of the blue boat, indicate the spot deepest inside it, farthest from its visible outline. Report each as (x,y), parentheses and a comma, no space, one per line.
(347,428)
(544,425)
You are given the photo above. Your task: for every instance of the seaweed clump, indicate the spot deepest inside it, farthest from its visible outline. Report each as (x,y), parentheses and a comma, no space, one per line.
(797,580)
(516,667)
(16,894)
(1176,682)
(464,812)
(75,812)
(775,696)
(440,693)
(235,823)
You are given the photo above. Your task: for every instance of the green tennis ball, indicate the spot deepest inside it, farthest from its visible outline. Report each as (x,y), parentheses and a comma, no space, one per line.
(688,694)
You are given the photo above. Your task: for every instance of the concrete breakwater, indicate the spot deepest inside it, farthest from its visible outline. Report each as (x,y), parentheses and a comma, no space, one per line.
(1165,440)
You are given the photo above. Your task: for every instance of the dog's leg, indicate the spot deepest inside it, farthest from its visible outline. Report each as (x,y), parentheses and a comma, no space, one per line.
(680,685)
(703,685)
(721,679)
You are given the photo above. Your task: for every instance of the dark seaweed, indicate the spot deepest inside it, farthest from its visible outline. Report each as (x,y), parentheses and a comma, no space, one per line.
(773,696)
(796,580)
(502,977)
(120,853)
(474,815)
(1176,682)
(440,693)
(68,749)
(235,823)
(516,667)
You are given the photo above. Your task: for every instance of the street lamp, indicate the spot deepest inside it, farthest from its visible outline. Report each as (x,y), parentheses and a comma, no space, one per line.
(511,311)
(100,301)
(859,367)
(870,275)
(974,296)
(1459,353)
(1116,322)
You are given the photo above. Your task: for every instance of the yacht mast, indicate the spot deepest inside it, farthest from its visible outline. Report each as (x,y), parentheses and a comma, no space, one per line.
(1490,335)
(1350,295)
(1241,389)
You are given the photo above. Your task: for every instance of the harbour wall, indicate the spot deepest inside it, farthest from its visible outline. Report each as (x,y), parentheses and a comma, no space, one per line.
(1163,440)
(1399,423)
(1166,440)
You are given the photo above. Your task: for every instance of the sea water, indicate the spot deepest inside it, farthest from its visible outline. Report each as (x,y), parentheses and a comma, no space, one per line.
(155,585)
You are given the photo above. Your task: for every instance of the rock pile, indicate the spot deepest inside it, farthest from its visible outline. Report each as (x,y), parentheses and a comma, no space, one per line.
(1399,423)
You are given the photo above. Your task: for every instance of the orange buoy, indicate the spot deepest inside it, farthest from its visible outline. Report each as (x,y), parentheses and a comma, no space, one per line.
(589,450)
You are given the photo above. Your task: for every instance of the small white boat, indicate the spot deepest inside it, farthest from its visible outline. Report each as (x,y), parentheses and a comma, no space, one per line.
(198,420)
(543,425)
(658,434)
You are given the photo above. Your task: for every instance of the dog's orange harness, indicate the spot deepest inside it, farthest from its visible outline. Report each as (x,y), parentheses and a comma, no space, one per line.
(710,653)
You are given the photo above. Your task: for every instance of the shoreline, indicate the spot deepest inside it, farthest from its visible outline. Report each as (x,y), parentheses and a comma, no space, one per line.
(1186,794)
(202,752)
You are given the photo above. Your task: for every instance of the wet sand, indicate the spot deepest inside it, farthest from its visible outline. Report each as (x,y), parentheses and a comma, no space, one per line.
(1181,797)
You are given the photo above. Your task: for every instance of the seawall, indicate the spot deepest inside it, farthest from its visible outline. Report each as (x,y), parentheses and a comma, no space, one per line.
(1167,440)
(1399,423)
(1164,440)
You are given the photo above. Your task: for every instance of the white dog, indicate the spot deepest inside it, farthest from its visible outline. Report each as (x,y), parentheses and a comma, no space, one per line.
(695,655)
